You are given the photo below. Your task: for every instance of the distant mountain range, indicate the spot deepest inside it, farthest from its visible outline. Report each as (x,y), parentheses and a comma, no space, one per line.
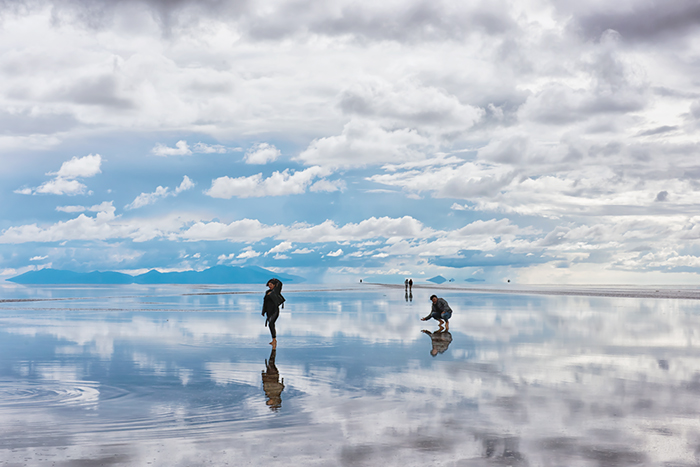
(437,279)
(213,275)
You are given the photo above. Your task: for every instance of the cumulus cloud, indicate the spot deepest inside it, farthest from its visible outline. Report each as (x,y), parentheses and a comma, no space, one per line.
(280,248)
(185,185)
(646,21)
(70,209)
(248,253)
(278,184)
(335,253)
(262,153)
(223,258)
(62,186)
(465,181)
(83,167)
(144,199)
(105,206)
(64,182)
(409,104)
(177,227)
(328,186)
(38,258)
(181,149)
(363,143)
(203,148)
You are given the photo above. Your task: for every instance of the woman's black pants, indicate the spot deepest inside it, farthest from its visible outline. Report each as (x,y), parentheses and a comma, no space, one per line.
(271,323)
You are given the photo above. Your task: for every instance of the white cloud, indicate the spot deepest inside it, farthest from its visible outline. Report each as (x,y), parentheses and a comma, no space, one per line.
(102,207)
(468,180)
(82,167)
(64,182)
(262,153)
(409,104)
(70,209)
(38,258)
(105,206)
(328,186)
(303,251)
(203,148)
(185,227)
(338,252)
(223,258)
(383,227)
(181,149)
(247,253)
(185,185)
(363,143)
(80,228)
(244,230)
(278,184)
(280,248)
(61,186)
(144,199)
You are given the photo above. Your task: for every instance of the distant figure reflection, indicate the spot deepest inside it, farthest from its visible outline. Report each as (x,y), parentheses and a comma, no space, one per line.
(440,339)
(408,296)
(272,385)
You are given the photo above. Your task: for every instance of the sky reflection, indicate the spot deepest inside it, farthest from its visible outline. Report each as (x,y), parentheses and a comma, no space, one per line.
(152,374)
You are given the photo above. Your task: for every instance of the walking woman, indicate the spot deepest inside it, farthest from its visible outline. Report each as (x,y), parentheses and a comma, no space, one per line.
(271,307)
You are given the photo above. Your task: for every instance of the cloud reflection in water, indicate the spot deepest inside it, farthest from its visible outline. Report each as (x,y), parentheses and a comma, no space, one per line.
(154,376)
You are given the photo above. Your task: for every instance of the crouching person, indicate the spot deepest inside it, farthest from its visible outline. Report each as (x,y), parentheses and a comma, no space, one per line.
(440,311)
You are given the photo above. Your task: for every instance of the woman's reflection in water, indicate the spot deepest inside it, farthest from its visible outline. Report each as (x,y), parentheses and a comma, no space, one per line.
(409,296)
(440,339)
(272,385)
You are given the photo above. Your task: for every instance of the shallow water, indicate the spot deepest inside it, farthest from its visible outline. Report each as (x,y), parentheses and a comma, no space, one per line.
(182,375)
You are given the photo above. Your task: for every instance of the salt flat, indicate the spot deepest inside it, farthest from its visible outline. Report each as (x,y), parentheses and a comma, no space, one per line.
(183,375)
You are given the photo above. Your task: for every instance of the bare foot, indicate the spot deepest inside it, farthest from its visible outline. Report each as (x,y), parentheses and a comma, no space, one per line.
(274,343)
(424,319)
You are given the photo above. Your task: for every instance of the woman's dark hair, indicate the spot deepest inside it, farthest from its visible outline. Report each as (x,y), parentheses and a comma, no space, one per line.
(277,284)
(433,296)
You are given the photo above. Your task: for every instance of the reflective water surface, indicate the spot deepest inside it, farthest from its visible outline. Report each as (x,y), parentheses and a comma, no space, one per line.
(184,375)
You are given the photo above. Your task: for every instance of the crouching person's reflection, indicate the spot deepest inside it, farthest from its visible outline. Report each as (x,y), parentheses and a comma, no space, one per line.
(272,385)
(440,339)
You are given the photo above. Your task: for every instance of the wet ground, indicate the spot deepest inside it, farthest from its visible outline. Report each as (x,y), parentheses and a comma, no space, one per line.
(183,375)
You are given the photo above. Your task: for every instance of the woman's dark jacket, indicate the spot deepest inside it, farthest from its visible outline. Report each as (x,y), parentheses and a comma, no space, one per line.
(271,303)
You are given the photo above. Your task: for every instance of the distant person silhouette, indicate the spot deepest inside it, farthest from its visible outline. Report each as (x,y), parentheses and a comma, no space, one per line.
(440,311)
(410,285)
(271,307)
(272,385)
(440,339)
(405,283)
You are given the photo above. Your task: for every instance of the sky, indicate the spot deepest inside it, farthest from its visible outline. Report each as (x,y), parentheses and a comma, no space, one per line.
(540,142)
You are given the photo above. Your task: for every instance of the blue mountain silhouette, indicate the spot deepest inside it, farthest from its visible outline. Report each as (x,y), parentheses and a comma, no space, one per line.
(213,275)
(437,279)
